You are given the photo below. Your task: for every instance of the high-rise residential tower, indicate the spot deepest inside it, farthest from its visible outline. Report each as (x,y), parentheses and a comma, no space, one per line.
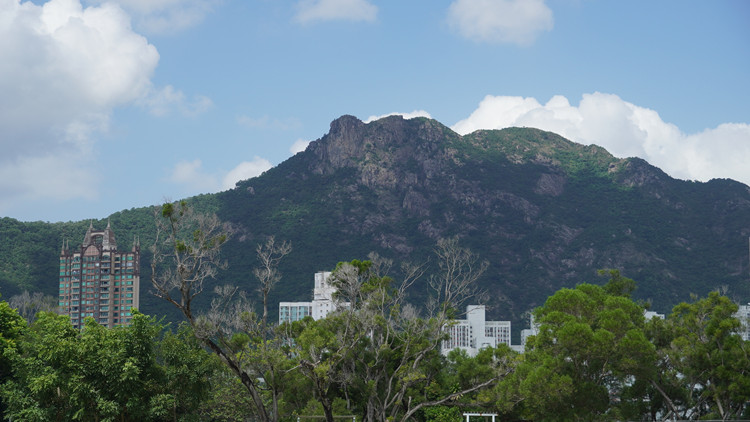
(99,281)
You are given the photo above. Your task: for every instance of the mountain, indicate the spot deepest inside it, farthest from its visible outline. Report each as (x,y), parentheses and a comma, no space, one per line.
(544,211)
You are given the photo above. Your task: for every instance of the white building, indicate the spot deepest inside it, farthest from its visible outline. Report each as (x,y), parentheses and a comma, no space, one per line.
(651,314)
(528,332)
(743,314)
(474,333)
(321,305)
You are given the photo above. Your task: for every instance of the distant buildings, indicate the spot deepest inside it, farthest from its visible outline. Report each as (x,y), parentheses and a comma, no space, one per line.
(474,333)
(96,280)
(321,305)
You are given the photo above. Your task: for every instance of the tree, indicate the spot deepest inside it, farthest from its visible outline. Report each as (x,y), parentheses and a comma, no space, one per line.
(377,350)
(705,364)
(269,255)
(12,327)
(28,305)
(187,255)
(119,374)
(590,350)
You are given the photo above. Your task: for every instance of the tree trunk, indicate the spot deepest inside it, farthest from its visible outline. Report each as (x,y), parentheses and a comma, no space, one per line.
(245,379)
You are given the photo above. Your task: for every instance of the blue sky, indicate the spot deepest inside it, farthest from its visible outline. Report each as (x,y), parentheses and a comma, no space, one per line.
(109,105)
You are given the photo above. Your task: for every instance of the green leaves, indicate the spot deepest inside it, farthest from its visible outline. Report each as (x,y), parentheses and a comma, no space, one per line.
(701,348)
(590,348)
(124,373)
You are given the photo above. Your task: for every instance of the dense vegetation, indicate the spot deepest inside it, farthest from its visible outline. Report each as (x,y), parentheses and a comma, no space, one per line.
(595,357)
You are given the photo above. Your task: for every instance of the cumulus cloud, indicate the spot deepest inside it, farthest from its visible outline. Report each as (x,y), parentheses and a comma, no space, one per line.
(164,16)
(626,130)
(411,115)
(298,146)
(195,179)
(63,69)
(500,21)
(326,10)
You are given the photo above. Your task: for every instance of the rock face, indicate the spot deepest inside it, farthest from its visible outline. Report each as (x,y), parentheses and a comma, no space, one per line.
(545,212)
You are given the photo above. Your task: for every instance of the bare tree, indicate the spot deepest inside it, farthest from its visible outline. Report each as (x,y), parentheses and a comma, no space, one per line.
(269,255)
(28,305)
(186,254)
(456,280)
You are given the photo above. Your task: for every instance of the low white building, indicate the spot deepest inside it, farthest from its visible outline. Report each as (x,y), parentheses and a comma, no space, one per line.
(528,332)
(651,314)
(321,305)
(474,333)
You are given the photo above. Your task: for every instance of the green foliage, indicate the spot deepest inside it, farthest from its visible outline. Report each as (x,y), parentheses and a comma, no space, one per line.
(705,365)
(442,414)
(104,374)
(590,348)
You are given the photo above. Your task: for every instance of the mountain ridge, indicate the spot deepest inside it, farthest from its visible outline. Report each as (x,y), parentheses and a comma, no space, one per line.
(545,211)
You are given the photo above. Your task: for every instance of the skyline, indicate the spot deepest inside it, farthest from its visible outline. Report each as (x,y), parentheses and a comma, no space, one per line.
(110,105)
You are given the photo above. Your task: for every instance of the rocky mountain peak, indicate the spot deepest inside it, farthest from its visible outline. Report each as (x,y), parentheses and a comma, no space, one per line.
(385,143)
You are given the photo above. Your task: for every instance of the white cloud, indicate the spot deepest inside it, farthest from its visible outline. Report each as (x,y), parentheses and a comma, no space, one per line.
(411,115)
(298,146)
(64,68)
(195,179)
(56,176)
(245,170)
(326,10)
(500,21)
(191,175)
(164,16)
(625,130)
(168,99)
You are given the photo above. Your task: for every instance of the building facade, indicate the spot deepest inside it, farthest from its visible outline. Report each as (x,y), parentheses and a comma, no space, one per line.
(321,305)
(99,281)
(475,333)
